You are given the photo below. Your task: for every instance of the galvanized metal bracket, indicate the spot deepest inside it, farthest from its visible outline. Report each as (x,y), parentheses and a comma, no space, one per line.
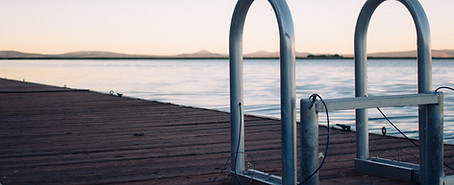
(255,177)
(389,169)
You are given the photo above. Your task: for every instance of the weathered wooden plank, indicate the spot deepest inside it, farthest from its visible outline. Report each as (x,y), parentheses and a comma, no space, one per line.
(54,135)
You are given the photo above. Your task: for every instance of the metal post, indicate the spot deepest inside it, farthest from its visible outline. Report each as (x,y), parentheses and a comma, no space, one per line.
(424,80)
(309,142)
(430,144)
(236,85)
(430,124)
(431,149)
(362,25)
(424,63)
(288,89)
(424,45)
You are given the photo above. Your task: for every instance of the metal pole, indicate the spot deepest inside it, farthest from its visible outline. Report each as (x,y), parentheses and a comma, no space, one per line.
(431,160)
(362,25)
(309,142)
(428,135)
(288,89)
(424,45)
(236,85)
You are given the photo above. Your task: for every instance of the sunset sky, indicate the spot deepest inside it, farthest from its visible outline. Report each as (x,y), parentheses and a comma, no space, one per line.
(186,26)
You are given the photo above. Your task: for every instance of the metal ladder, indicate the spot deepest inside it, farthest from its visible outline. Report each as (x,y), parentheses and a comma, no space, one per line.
(430,167)
(288,93)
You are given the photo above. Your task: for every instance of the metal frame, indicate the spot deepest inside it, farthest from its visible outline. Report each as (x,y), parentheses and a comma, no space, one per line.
(429,174)
(430,111)
(424,63)
(430,122)
(288,90)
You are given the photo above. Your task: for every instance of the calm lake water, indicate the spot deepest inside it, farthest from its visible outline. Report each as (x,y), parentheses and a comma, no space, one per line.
(205,83)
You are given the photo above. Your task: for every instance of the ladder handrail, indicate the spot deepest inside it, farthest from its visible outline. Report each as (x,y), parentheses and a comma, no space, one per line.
(424,60)
(379,101)
(288,87)
(430,134)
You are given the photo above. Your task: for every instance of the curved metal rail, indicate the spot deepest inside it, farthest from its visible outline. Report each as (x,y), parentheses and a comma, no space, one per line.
(430,131)
(424,60)
(288,92)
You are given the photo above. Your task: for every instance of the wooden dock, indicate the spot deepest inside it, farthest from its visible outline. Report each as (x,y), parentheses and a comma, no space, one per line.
(52,135)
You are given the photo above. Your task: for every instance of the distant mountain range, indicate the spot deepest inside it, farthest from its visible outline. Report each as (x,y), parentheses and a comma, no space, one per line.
(207,54)
(75,55)
(410,54)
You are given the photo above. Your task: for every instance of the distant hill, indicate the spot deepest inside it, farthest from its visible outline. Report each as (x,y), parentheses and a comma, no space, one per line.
(205,54)
(443,53)
(17,54)
(79,54)
(100,54)
(265,54)
(410,54)
(202,54)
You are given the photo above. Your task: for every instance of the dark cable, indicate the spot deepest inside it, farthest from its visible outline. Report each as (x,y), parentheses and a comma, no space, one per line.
(444,87)
(395,127)
(389,121)
(238,147)
(253,167)
(247,155)
(225,165)
(314,97)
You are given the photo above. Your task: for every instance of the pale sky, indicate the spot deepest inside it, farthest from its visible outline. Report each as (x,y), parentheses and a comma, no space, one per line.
(186,26)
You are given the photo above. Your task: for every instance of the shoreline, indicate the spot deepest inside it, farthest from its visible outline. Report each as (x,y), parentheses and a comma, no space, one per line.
(196,58)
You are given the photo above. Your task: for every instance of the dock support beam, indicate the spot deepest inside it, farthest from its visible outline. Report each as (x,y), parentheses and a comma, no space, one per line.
(288,89)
